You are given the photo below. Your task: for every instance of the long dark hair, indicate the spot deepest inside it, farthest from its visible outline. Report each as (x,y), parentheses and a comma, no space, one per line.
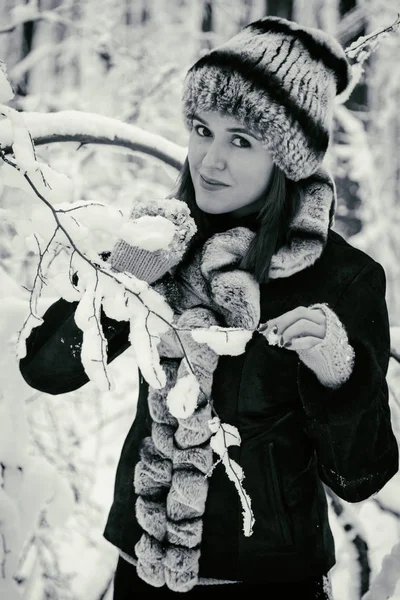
(282,201)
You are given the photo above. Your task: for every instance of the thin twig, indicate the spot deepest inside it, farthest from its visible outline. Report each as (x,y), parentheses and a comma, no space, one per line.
(368,38)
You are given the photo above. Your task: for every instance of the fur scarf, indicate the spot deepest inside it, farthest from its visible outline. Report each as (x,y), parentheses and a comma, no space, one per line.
(171,477)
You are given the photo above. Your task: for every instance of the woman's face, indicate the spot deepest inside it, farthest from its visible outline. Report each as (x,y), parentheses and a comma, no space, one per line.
(229,166)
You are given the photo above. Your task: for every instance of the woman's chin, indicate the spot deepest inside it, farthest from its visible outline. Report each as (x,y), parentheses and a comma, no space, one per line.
(210,210)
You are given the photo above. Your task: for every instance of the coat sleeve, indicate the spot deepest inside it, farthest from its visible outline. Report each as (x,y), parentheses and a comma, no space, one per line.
(52,363)
(357,451)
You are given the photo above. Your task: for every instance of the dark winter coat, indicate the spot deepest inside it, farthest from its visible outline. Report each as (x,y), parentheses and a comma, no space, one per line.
(297,435)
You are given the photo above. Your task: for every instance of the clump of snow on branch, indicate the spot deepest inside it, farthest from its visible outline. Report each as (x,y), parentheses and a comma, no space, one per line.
(360,51)
(22,14)
(384,585)
(223,340)
(395,340)
(6,93)
(182,398)
(150,233)
(225,435)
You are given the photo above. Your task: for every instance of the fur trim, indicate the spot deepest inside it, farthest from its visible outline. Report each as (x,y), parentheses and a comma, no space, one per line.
(309,228)
(187,497)
(180,487)
(149,483)
(198,457)
(163,438)
(181,568)
(150,549)
(151,556)
(181,561)
(237,293)
(194,431)
(224,250)
(152,470)
(151,517)
(185,533)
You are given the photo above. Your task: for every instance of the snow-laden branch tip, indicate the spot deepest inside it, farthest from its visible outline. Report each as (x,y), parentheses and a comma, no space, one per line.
(6,92)
(183,397)
(354,50)
(91,128)
(395,342)
(225,435)
(30,12)
(385,583)
(360,50)
(223,340)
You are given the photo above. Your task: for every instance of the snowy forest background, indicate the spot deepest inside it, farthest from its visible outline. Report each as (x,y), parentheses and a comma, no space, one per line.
(98,84)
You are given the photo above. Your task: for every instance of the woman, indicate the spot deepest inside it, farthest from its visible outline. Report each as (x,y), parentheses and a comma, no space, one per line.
(307,393)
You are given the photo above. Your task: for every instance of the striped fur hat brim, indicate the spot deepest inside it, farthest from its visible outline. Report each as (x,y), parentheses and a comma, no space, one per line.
(280,81)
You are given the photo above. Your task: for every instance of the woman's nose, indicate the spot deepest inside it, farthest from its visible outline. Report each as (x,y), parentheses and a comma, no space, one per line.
(215,157)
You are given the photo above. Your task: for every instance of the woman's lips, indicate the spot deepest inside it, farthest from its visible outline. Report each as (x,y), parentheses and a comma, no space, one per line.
(211,184)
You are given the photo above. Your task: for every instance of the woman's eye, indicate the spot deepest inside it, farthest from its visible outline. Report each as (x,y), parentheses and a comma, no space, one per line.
(202,131)
(241,142)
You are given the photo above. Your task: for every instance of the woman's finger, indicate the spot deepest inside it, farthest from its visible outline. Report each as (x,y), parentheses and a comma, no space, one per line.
(299,313)
(302,343)
(282,322)
(304,328)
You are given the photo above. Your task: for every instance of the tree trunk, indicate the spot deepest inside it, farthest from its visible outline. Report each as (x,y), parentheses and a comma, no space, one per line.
(145,13)
(207,25)
(247,10)
(279,8)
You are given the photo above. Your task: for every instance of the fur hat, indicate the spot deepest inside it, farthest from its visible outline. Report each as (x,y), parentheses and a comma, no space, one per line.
(279,79)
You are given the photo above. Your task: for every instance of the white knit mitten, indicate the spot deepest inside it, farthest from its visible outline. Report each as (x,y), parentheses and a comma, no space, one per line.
(332,359)
(151,265)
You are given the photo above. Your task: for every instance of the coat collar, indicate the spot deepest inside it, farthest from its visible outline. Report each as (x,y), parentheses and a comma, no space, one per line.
(224,250)
(309,228)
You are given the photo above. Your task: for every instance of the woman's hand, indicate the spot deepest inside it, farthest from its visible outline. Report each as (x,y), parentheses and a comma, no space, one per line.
(298,329)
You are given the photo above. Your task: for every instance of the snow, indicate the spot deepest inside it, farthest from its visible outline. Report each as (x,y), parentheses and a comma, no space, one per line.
(60,454)
(150,233)
(6,92)
(223,340)
(21,14)
(70,124)
(225,435)
(146,356)
(183,397)
(21,143)
(31,486)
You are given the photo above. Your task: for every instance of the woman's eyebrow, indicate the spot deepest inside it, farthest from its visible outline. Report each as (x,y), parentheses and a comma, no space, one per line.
(242,130)
(230,130)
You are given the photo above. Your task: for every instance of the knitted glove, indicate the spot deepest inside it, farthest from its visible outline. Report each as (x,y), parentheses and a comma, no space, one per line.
(152,265)
(332,359)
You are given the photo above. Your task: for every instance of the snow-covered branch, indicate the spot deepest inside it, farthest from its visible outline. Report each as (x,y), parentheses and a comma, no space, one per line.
(31,13)
(384,585)
(360,50)
(353,532)
(224,436)
(89,128)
